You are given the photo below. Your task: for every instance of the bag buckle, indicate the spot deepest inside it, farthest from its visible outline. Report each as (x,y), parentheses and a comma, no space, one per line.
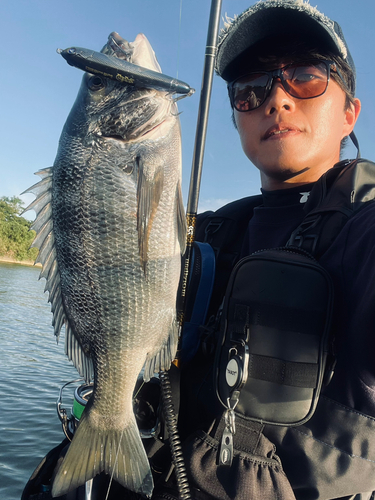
(226,445)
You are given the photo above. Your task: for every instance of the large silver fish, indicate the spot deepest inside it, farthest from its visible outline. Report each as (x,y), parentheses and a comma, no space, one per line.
(111,229)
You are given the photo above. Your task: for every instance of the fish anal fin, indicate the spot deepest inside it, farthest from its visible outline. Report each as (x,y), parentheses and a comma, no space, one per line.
(76,354)
(148,195)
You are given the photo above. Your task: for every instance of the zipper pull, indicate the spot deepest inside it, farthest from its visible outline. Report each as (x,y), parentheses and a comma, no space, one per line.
(226,445)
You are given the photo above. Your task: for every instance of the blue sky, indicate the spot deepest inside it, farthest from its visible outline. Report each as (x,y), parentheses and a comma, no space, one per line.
(38,88)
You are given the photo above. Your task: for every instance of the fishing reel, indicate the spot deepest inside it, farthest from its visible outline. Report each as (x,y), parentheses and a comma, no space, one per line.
(146,399)
(69,417)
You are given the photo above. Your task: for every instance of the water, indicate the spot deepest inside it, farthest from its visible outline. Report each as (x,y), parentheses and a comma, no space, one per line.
(32,370)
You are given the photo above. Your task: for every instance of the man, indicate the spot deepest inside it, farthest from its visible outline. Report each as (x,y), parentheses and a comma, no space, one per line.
(291,84)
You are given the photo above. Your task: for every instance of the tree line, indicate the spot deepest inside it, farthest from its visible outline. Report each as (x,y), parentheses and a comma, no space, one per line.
(15,234)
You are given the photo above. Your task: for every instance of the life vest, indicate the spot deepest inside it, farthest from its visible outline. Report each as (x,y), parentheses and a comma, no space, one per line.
(338,195)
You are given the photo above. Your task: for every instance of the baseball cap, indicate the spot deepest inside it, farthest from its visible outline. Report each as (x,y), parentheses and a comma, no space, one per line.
(272,18)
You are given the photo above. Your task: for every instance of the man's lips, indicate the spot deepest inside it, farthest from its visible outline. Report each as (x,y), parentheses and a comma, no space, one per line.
(279,130)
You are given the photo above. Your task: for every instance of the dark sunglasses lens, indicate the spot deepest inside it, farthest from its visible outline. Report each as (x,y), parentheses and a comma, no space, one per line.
(249,92)
(306,80)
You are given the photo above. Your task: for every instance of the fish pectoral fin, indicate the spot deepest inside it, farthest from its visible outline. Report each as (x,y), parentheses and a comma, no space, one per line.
(148,197)
(181,219)
(161,361)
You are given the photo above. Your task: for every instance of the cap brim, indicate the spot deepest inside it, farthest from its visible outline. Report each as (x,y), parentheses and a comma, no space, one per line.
(277,21)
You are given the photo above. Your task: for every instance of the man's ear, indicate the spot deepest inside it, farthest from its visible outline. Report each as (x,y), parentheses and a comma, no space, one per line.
(351,116)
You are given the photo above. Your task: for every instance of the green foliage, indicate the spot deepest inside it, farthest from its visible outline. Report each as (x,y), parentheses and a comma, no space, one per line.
(15,234)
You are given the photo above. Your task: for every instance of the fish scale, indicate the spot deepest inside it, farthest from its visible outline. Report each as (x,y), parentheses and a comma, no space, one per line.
(111,230)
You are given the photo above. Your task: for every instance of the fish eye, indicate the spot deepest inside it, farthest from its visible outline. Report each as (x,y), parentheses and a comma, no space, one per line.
(128,168)
(96,83)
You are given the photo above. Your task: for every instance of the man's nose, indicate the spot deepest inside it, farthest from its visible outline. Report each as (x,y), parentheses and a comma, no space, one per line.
(278,98)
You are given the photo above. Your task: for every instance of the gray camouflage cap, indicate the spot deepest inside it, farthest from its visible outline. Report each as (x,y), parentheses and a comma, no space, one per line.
(273,18)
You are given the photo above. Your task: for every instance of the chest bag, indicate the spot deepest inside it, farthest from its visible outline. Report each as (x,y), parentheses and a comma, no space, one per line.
(274,336)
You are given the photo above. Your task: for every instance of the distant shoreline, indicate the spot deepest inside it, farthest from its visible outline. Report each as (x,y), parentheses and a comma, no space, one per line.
(11,260)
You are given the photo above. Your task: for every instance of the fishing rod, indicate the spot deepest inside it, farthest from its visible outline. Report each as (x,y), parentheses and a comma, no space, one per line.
(191,216)
(198,154)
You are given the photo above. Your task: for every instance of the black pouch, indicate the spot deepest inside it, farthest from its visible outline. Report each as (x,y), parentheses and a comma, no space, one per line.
(256,472)
(274,337)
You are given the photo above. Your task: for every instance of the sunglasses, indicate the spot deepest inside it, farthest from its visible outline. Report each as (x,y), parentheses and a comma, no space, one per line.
(303,80)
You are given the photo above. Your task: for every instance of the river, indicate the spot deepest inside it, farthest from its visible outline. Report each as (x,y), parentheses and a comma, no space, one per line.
(32,370)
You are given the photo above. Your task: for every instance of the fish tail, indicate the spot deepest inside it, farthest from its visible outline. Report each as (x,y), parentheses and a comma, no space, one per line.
(119,453)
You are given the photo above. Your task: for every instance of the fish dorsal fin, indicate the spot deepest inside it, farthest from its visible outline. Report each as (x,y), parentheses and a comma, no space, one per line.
(148,196)
(45,241)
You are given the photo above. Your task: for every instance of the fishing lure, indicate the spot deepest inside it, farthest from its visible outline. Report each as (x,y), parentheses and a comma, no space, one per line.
(122,71)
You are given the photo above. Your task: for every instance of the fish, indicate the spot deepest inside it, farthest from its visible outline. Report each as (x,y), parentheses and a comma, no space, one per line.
(111,229)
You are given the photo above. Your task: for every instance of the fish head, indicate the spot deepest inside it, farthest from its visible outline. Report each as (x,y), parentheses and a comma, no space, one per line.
(105,108)
(133,135)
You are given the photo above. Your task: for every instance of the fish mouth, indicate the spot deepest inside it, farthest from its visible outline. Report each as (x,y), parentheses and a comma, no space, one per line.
(138,52)
(152,129)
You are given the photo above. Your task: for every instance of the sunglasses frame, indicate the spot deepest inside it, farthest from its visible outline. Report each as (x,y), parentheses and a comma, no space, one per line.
(278,73)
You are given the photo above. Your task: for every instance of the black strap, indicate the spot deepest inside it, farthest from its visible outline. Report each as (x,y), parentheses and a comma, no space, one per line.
(356,143)
(283,372)
(335,197)
(225,230)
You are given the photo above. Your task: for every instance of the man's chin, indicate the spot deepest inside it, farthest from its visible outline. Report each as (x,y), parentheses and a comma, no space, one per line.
(285,175)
